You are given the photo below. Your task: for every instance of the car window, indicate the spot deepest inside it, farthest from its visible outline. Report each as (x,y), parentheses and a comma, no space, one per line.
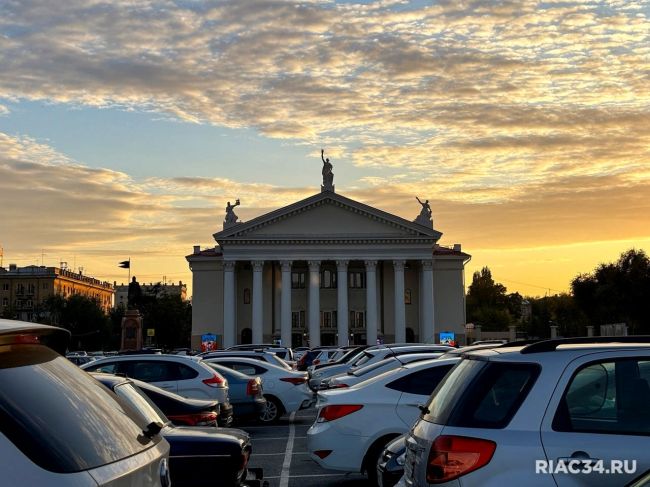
(369,368)
(108,368)
(362,359)
(153,371)
(272,358)
(479,394)
(141,403)
(185,372)
(610,397)
(422,382)
(244,368)
(81,425)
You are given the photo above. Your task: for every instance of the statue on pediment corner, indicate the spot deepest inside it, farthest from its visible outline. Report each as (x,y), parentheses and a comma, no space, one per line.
(424,218)
(231,218)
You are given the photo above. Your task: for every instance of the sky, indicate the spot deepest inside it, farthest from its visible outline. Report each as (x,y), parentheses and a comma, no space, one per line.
(126,126)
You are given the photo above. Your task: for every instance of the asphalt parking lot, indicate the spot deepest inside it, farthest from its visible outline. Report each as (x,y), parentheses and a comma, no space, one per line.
(281,450)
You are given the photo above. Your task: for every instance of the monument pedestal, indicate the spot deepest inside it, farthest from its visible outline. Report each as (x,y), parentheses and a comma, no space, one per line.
(131,330)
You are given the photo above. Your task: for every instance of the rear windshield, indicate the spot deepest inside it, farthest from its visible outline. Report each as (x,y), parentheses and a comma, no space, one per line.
(365,357)
(369,368)
(481,394)
(59,416)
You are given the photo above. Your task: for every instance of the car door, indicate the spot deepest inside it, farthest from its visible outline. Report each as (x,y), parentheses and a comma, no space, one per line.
(600,414)
(416,387)
(157,372)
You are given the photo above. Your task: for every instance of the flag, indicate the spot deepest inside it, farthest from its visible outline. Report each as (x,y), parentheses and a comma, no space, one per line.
(126,264)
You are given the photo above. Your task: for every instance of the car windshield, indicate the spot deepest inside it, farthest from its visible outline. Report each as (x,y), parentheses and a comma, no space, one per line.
(141,403)
(274,359)
(59,416)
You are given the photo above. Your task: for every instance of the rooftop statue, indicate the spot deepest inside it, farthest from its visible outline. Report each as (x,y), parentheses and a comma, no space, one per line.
(424,218)
(328,175)
(231,218)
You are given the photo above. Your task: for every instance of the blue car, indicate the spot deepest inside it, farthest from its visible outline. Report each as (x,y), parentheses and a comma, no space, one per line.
(245,392)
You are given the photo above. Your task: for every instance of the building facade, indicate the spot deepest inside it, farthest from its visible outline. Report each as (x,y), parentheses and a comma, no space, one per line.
(159,289)
(23,290)
(327,270)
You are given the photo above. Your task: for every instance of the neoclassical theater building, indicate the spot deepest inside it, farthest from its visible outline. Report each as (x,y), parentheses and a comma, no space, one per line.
(327,270)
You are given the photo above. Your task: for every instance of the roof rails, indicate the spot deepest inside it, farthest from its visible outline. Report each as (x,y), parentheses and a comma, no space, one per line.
(551,345)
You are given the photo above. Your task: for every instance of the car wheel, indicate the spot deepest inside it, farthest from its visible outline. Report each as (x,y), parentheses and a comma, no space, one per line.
(272,412)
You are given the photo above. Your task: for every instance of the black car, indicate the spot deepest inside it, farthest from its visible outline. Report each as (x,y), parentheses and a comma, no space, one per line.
(180,410)
(199,456)
(390,466)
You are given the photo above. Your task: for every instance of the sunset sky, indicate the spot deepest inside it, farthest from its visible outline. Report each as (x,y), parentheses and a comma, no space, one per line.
(125,127)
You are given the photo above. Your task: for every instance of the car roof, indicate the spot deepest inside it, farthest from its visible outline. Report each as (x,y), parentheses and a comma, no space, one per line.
(151,356)
(51,336)
(252,361)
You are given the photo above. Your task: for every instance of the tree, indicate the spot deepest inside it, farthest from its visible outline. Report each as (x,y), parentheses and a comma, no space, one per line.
(487,302)
(83,316)
(617,292)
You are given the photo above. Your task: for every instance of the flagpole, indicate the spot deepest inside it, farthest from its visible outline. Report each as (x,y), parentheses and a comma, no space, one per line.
(129,270)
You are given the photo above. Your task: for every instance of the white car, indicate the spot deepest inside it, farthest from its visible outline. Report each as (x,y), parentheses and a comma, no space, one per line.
(369,356)
(355,424)
(353,377)
(285,390)
(59,427)
(557,413)
(184,375)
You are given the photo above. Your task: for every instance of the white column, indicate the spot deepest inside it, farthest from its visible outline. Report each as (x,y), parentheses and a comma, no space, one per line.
(314,303)
(285,304)
(371,302)
(258,307)
(229,331)
(427,327)
(342,312)
(400,309)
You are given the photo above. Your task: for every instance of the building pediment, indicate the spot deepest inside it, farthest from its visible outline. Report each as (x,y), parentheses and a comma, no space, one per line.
(327,216)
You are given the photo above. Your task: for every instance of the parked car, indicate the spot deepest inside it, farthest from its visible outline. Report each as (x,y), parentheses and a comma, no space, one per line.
(285,390)
(355,424)
(199,456)
(390,467)
(263,355)
(181,374)
(60,427)
(285,353)
(79,359)
(314,354)
(246,392)
(369,356)
(583,400)
(182,411)
(352,377)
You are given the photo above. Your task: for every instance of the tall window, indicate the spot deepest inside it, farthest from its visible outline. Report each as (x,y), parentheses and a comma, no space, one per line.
(357,279)
(298,280)
(5,301)
(328,319)
(357,319)
(5,286)
(298,319)
(31,289)
(328,279)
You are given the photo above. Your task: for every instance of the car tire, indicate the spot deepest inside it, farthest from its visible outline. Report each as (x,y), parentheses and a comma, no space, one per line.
(272,411)
(372,458)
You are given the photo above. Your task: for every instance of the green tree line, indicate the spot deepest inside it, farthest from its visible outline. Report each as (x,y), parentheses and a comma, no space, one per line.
(93,329)
(617,292)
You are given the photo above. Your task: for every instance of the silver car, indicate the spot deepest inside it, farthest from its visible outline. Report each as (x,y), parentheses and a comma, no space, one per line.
(565,413)
(60,427)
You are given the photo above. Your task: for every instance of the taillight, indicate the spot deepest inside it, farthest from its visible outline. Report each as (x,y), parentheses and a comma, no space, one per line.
(294,380)
(336,411)
(454,456)
(199,419)
(252,387)
(316,362)
(215,381)
(338,386)
(243,460)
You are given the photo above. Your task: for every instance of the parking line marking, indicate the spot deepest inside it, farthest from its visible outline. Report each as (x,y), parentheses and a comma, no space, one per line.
(342,474)
(283,453)
(286,465)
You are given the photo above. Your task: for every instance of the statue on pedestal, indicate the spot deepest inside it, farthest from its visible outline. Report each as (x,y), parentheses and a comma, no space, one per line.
(134,294)
(424,218)
(328,175)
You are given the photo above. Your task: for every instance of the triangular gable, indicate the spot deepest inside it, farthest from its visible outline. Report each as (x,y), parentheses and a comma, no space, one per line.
(327,213)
